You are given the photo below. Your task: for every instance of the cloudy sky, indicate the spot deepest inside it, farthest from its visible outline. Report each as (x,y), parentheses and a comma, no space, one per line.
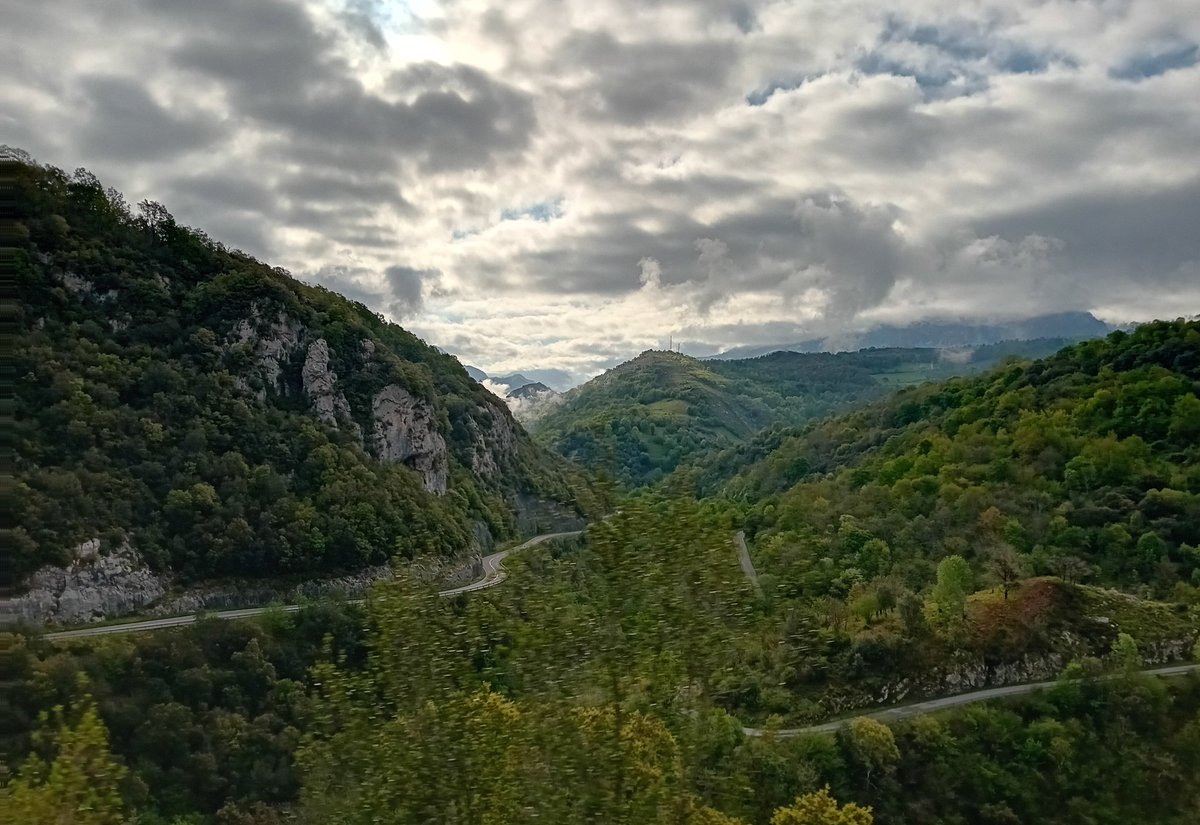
(560,184)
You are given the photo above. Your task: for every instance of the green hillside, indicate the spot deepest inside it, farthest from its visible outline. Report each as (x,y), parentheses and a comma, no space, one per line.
(225,418)
(662,410)
(1085,464)
(610,679)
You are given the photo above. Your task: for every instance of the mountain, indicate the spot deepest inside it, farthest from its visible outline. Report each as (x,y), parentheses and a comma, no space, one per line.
(1069,326)
(1085,463)
(532,402)
(514,381)
(185,406)
(531,391)
(476,373)
(648,416)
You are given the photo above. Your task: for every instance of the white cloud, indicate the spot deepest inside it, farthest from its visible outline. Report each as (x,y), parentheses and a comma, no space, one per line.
(930,158)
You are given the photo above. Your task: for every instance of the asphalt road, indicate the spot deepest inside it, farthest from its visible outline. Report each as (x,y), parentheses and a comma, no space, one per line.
(897,713)
(493,574)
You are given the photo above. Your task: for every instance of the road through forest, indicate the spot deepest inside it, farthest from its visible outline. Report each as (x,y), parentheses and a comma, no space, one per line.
(494,574)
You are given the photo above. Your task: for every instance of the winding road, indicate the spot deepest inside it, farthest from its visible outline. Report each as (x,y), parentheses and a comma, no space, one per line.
(898,712)
(493,574)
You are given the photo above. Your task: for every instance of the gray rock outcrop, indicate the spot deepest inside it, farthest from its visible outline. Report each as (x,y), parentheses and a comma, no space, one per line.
(406,431)
(320,385)
(273,342)
(494,444)
(91,588)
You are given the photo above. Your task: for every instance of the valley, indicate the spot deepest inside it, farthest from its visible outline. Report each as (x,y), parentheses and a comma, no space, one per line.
(805,578)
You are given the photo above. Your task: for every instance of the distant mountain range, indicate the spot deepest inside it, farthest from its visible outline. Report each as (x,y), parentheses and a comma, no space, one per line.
(528,399)
(553,380)
(647,417)
(1069,326)
(532,390)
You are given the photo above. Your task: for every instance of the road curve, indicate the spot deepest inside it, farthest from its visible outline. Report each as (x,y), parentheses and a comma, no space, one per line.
(493,574)
(894,714)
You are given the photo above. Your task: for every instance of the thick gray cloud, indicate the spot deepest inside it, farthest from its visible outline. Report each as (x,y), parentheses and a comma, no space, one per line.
(406,287)
(121,121)
(559,185)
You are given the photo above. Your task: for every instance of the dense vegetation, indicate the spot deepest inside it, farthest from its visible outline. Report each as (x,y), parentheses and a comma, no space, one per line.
(1084,465)
(139,415)
(1038,521)
(595,686)
(646,417)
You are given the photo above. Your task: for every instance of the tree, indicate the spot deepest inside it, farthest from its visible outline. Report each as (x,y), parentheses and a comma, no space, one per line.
(821,808)
(1008,566)
(1125,652)
(874,557)
(912,613)
(954,581)
(80,785)
(872,744)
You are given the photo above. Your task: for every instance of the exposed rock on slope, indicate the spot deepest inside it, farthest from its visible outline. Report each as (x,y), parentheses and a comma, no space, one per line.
(272,342)
(90,588)
(230,420)
(320,384)
(406,432)
(494,443)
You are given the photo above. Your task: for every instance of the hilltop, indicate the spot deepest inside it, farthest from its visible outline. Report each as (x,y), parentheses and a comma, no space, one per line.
(661,410)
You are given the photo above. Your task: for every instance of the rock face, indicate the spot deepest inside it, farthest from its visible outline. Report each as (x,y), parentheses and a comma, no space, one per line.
(320,385)
(406,431)
(273,341)
(90,589)
(494,443)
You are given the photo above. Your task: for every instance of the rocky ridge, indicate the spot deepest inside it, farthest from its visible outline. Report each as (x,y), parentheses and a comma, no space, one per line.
(92,587)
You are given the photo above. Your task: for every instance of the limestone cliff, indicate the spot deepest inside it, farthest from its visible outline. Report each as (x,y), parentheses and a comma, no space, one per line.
(493,441)
(406,432)
(232,421)
(320,385)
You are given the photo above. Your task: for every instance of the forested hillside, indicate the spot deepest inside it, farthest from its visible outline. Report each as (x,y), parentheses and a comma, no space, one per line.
(646,417)
(223,418)
(1034,523)
(608,682)
(1085,464)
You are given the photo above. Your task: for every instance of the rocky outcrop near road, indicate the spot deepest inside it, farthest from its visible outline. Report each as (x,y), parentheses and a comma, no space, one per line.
(91,588)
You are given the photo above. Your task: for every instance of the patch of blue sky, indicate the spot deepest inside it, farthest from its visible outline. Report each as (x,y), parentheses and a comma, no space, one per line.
(1153,62)
(543,211)
(762,94)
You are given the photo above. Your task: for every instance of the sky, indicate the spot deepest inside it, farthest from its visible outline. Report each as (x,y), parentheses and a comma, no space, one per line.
(558,185)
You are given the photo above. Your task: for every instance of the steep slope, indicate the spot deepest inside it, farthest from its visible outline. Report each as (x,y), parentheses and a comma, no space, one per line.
(663,410)
(219,417)
(1085,464)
